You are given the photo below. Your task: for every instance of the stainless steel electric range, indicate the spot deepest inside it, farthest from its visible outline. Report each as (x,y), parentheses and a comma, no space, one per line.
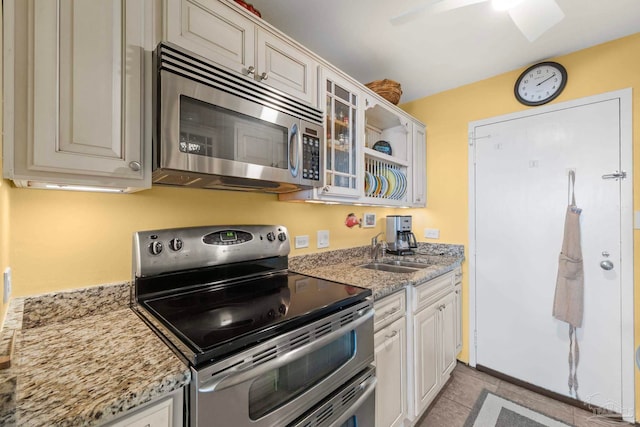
(266,347)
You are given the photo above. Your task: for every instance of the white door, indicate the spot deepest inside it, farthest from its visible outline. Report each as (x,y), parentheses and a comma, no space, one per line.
(519,197)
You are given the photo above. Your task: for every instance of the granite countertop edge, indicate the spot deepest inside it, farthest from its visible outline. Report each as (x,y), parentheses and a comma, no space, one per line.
(126,367)
(342,266)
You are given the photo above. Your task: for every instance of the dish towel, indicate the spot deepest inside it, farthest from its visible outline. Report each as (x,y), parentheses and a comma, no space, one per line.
(568,303)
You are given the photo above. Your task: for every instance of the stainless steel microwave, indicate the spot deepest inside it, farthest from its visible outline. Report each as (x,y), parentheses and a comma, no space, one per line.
(217,129)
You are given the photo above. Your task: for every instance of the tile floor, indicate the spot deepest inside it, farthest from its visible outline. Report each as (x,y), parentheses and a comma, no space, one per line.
(454,403)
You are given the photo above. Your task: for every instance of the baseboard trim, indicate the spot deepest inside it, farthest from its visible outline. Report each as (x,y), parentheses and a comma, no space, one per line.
(553,395)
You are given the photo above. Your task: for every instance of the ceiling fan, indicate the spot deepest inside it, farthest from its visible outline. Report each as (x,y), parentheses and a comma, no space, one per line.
(532,17)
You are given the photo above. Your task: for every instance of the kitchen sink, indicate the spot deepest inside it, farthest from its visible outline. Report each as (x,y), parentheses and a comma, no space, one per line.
(395,266)
(388,267)
(406,263)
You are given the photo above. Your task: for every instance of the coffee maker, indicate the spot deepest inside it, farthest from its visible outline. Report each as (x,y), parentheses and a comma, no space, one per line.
(400,239)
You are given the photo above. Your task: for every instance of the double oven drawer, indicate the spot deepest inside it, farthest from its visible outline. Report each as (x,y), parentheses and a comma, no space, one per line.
(284,379)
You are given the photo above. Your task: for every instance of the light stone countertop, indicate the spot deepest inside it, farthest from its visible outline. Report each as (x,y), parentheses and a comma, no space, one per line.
(342,266)
(82,358)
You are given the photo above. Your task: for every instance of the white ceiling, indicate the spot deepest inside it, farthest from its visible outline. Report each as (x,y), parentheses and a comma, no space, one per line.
(433,53)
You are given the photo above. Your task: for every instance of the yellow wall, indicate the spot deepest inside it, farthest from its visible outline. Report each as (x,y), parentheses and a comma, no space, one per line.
(63,240)
(607,67)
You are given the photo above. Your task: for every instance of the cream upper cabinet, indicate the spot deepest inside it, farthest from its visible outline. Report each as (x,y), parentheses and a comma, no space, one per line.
(343,121)
(419,165)
(222,32)
(384,144)
(387,154)
(75,110)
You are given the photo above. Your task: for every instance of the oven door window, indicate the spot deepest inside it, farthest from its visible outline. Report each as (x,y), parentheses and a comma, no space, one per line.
(277,387)
(212,131)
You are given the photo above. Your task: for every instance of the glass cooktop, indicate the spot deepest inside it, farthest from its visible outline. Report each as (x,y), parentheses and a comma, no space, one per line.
(220,320)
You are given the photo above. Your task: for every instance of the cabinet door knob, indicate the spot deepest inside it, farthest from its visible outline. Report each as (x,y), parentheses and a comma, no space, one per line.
(250,70)
(392,334)
(264,76)
(135,166)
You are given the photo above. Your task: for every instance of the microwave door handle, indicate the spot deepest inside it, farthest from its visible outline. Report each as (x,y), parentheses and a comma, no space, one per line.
(369,385)
(246,371)
(294,150)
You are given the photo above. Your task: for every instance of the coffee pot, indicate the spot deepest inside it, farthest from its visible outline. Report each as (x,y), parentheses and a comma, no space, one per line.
(400,239)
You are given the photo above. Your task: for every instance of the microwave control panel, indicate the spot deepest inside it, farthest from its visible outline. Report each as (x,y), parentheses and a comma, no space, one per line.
(310,157)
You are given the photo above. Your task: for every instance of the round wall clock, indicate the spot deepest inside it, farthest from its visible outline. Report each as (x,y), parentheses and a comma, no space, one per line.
(540,83)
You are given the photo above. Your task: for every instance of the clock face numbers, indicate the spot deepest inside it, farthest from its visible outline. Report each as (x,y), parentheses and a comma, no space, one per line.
(540,84)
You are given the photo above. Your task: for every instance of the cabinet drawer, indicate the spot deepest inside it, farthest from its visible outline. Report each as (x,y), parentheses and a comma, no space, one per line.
(429,292)
(157,415)
(388,309)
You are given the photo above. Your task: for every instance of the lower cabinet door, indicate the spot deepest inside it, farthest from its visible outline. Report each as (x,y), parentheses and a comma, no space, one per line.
(448,324)
(427,372)
(390,360)
(458,316)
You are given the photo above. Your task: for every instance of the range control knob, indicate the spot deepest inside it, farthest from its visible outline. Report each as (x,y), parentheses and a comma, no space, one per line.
(175,244)
(271,236)
(282,237)
(155,247)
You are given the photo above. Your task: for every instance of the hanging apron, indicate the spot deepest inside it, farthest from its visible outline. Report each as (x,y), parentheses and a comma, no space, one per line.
(568,303)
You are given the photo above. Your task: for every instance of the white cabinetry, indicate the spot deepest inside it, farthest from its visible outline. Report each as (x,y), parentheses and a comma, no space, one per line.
(434,339)
(165,412)
(458,307)
(74,93)
(343,121)
(393,178)
(390,342)
(220,31)
(415,349)
(419,177)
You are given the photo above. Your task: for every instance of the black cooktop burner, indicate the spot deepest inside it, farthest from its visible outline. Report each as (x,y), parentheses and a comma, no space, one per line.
(219,320)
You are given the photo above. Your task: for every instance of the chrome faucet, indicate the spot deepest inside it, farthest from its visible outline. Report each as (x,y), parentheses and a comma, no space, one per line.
(377,248)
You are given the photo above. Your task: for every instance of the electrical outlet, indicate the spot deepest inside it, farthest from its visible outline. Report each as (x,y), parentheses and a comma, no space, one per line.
(323,238)
(432,233)
(302,242)
(637,220)
(7,285)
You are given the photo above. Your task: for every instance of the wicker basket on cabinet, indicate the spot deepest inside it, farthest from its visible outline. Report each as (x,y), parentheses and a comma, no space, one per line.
(388,89)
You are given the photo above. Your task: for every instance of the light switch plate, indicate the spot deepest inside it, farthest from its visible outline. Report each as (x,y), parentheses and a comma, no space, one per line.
(7,285)
(432,233)
(637,220)
(302,242)
(323,238)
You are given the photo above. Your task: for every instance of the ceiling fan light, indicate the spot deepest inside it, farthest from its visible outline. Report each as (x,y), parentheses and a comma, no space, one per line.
(502,5)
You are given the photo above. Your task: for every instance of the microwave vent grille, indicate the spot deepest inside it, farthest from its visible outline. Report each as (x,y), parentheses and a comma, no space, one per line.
(173,59)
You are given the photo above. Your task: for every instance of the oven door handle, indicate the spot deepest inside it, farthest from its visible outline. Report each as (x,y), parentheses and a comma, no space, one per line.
(246,371)
(369,385)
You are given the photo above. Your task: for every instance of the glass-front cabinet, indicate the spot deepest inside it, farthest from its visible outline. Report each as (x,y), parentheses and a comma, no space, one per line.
(374,152)
(342,127)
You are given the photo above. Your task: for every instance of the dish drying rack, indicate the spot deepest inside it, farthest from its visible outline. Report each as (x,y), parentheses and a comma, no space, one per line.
(385,180)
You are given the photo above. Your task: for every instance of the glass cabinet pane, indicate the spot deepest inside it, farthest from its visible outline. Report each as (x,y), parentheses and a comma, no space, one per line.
(341,108)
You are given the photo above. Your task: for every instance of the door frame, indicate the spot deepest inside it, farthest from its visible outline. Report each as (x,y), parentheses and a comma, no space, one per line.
(626,224)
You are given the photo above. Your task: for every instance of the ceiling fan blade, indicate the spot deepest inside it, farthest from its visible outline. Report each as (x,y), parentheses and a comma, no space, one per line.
(534,17)
(437,6)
